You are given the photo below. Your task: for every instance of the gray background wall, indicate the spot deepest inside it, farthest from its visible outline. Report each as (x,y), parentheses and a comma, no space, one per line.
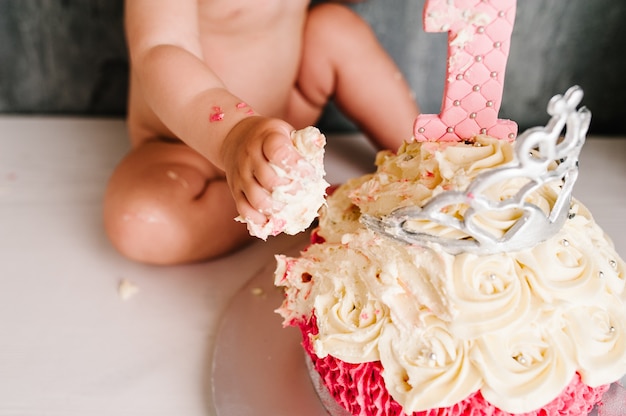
(69,57)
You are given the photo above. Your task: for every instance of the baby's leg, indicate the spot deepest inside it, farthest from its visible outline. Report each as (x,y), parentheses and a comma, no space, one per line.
(343,60)
(166,204)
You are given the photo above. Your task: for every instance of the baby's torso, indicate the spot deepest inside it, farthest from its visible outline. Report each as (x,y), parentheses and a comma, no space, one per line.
(254,46)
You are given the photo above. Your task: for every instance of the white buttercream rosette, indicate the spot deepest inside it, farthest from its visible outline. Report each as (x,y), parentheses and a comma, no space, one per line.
(490,294)
(526,366)
(427,367)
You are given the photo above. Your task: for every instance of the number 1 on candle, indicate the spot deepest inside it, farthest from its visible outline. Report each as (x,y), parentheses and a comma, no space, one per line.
(479,35)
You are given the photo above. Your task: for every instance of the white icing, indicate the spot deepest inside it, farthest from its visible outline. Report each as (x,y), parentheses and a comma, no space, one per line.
(428,360)
(515,325)
(490,292)
(526,366)
(598,332)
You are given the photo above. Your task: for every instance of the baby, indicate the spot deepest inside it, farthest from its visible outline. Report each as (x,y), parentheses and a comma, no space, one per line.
(216,87)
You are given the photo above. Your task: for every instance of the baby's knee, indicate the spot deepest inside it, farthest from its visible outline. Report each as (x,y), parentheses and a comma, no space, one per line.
(143,230)
(147,201)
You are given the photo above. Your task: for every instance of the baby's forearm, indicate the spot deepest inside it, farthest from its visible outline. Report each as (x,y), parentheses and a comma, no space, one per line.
(189,98)
(208,118)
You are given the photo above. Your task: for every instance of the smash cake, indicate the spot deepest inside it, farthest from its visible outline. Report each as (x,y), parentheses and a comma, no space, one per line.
(398,320)
(462,278)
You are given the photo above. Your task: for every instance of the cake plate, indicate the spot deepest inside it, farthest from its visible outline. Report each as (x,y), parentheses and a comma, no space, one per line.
(259,367)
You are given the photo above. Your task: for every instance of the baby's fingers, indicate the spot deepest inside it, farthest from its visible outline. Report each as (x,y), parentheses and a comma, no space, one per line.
(280,151)
(255,206)
(268,177)
(257,209)
(261,200)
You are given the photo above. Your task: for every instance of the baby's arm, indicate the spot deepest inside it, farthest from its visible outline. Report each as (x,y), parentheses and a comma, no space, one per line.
(195,105)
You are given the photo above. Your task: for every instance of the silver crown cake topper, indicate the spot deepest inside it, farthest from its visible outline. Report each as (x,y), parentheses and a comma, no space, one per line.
(541,155)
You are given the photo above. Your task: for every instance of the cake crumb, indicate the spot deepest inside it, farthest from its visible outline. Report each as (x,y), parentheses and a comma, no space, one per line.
(127,289)
(257,291)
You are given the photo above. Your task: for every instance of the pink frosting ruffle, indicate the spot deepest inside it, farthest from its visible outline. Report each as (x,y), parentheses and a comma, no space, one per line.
(360,389)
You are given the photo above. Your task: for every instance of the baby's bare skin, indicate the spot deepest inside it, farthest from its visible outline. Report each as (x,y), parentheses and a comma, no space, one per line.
(216,88)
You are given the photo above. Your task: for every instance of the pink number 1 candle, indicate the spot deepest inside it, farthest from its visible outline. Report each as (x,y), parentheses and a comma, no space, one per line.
(479,35)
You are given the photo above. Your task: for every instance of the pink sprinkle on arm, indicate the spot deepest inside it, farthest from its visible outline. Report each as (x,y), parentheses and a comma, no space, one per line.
(242,106)
(217,114)
(217,117)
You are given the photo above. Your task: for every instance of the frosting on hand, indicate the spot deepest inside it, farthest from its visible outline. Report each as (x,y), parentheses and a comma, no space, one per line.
(302,196)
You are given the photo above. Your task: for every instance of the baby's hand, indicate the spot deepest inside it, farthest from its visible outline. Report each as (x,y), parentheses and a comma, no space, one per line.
(275,175)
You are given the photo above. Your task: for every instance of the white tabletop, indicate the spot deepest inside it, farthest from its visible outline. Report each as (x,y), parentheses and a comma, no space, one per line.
(71,345)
